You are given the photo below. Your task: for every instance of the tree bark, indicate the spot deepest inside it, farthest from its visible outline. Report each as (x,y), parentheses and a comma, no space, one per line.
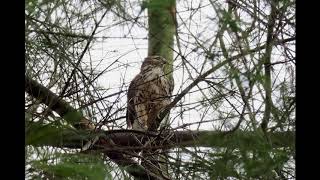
(127,139)
(161,21)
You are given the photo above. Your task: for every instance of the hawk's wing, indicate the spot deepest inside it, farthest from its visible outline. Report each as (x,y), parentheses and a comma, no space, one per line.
(131,113)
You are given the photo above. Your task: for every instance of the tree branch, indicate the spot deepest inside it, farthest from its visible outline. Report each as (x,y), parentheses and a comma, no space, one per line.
(58,105)
(267,67)
(47,97)
(127,139)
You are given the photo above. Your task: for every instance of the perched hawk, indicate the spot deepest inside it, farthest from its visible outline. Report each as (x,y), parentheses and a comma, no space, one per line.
(149,92)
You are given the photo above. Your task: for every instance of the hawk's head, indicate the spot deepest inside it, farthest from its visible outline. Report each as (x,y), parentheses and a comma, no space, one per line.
(154,61)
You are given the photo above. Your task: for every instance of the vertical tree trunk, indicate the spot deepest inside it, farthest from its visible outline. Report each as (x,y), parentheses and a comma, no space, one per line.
(161,15)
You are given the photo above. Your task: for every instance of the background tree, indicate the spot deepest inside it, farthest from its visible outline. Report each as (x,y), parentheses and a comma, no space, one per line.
(233,109)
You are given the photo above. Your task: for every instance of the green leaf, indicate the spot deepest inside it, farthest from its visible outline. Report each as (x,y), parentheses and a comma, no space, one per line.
(73,117)
(75,166)
(38,133)
(227,18)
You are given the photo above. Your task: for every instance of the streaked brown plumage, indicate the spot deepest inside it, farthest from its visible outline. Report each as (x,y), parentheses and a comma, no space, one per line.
(149,92)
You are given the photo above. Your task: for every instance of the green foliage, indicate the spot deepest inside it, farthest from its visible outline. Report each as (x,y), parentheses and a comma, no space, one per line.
(246,156)
(73,117)
(31,5)
(55,133)
(227,18)
(74,166)
(42,134)
(39,133)
(223,165)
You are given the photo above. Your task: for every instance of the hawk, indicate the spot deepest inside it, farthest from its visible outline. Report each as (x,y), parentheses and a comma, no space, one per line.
(149,92)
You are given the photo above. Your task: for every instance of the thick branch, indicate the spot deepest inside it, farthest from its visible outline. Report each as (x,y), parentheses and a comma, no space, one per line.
(47,97)
(267,68)
(127,139)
